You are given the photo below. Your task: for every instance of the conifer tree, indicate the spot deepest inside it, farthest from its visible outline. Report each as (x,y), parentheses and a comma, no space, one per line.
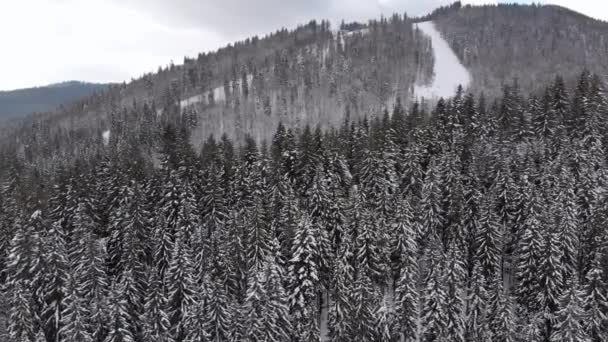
(218,312)
(529,258)
(551,281)
(55,276)
(304,280)
(454,306)
(385,320)
(278,325)
(596,303)
(180,285)
(365,300)
(156,325)
(500,313)
(341,311)
(21,316)
(434,320)
(406,285)
(119,326)
(569,317)
(488,240)
(476,322)
(75,316)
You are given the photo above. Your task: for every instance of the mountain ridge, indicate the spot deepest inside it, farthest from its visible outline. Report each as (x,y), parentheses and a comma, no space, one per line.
(21,102)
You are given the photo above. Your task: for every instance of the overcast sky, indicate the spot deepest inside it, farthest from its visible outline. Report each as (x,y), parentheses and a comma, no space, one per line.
(48,41)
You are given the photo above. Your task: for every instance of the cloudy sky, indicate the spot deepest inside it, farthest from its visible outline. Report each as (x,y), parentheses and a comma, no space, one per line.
(48,41)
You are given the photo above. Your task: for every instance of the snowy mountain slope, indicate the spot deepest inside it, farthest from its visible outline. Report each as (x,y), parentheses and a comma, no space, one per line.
(448,71)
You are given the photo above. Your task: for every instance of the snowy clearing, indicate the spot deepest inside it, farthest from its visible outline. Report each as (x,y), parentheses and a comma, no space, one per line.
(106,137)
(448,71)
(218,94)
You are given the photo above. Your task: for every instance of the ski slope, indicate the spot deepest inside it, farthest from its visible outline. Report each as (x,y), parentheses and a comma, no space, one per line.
(448,71)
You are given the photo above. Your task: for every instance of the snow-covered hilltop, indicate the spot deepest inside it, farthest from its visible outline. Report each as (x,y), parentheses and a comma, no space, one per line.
(448,71)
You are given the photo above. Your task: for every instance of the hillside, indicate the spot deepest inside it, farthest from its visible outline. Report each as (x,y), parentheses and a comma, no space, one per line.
(373,211)
(21,102)
(530,44)
(319,75)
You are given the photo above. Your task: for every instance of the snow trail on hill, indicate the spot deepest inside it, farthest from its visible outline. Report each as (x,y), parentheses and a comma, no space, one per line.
(106,137)
(448,71)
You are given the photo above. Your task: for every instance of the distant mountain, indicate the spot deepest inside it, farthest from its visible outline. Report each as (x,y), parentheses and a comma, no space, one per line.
(16,103)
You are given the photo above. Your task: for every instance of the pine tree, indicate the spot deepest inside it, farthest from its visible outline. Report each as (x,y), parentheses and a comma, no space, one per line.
(500,313)
(367,245)
(568,230)
(551,280)
(196,327)
(55,276)
(156,322)
(278,325)
(434,320)
(304,280)
(454,306)
(255,307)
(75,316)
(596,303)
(406,286)
(431,213)
(488,240)
(341,319)
(318,205)
(218,312)
(22,319)
(119,327)
(528,265)
(476,323)
(22,263)
(568,326)
(180,285)
(385,322)
(365,300)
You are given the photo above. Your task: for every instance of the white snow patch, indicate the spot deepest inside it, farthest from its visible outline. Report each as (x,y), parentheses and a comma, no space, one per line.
(217,93)
(36,214)
(106,137)
(352,33)
(191,100)
(448,71)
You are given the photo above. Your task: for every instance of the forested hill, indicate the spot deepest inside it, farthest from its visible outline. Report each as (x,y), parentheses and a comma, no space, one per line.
(21,102)
(318,74)
(327,205)
(471,222)
(530,44)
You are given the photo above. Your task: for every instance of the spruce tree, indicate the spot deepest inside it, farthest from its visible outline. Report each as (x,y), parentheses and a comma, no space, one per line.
(528,266)
(156,320)
(488,240)
(22,319)
(500,313)
(119,326)
(304,280)
(406,285)
(180,285)
(434,319)
(75,318)
(218,312)
(341,319)
(476,322)
(569,318)
(596,303)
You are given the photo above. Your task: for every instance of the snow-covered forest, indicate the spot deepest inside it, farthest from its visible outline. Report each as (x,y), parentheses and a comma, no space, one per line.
(473,221)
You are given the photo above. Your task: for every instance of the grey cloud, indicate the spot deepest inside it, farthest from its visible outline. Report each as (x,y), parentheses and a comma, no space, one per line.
(238,18)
